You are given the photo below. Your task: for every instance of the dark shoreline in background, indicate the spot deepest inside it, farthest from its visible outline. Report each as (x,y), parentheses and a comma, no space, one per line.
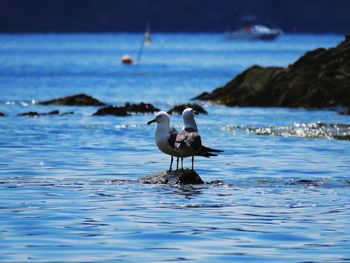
(325,16)
(154,33)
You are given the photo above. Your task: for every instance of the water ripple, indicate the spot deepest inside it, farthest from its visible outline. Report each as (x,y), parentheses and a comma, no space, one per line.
(68,184)
(302,130)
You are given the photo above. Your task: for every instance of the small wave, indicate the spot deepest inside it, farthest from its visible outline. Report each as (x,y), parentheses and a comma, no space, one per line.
(126,126)
(302,130)
(21,103)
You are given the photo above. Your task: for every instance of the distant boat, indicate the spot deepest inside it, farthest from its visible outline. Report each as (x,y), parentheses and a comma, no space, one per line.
(254,32)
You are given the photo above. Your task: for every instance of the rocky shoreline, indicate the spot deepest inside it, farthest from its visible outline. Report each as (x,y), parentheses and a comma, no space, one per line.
(126,110)
(35,114)
(105,109)
(319,79)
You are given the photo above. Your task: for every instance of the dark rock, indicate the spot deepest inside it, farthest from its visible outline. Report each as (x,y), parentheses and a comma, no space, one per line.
(140,108)
(220,183)
(345,111)
(35,114)
(29,114)
(74,100)
(186,176)
(217,182)
(54,112)
(309,182)
(2,114)
(319,79)
(67,113)
(247,89)
(204,96)
(126,109)
(178,109)
(122,181)
(111,110)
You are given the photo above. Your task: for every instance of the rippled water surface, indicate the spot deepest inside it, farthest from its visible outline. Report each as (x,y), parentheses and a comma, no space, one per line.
(68,184)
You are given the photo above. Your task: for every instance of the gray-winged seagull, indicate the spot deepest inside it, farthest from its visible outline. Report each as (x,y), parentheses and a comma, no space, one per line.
(188,141)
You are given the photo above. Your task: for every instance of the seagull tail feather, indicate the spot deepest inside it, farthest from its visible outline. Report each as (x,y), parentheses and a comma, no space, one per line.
(206,154)
(207,149)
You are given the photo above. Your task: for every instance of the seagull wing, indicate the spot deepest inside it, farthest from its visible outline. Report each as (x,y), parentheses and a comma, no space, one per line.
(188,143)
(172,137)
(194,141)
(180,138)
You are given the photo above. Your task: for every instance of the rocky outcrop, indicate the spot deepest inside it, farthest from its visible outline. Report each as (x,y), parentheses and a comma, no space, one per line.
(140,108)
(74,100)
(126,110)
(319,79)
(178,109)
(111,110)
(68,113)
(36,114)
(186,176)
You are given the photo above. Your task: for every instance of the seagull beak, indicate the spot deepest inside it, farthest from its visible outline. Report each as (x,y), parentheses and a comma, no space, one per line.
(153,120)
(195,112)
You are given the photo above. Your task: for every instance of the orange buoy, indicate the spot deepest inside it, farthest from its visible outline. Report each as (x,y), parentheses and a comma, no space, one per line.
(126,59)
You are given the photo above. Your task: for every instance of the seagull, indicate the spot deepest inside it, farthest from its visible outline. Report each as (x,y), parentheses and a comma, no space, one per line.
(188,141)
(165,136)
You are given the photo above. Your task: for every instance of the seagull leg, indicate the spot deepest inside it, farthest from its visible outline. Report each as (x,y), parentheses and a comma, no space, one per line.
(171,163)
(182,163)
(177,163)
(192,162)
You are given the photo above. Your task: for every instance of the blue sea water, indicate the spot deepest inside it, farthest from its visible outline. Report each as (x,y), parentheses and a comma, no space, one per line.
(68,189)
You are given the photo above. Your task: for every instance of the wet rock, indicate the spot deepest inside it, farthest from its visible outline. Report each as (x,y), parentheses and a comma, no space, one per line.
(186,176)
(319,79)
(67,113)
(74,100)
(35,114)
(111,110)
(140,108)
(247,89)
(54,112)
(122,181)
(178,109)
(2,114)
(127,109)
(29,114)
(219,183)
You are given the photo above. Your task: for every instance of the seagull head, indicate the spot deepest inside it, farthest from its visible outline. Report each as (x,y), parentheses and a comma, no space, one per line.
(160,117)
(189,113)
(188,117)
